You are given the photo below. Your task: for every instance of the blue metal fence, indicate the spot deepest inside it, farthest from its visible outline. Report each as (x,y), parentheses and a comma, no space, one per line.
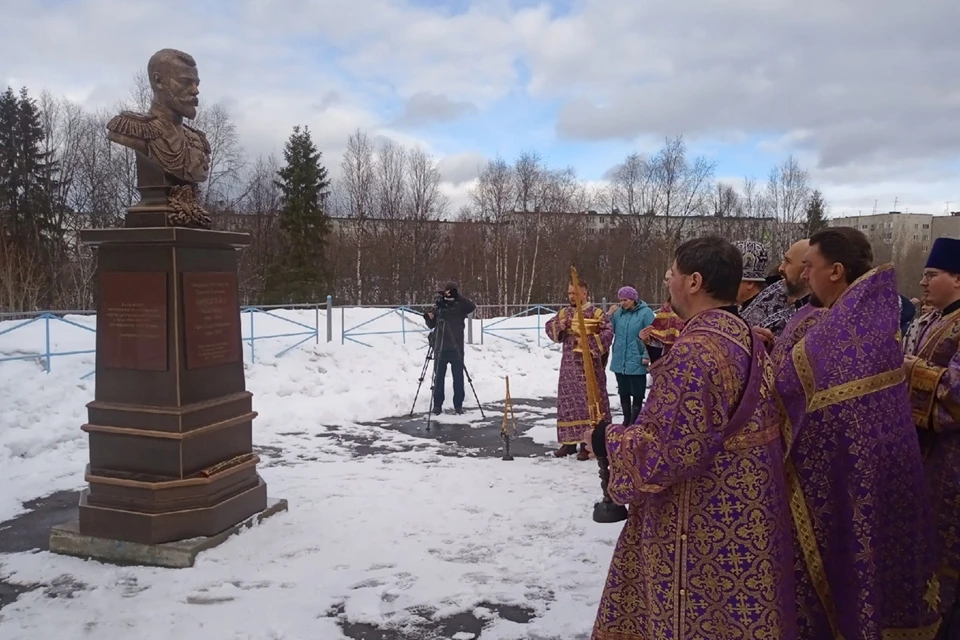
(492,330)
(412,326)
(351,332)
(47,354)
(310,332)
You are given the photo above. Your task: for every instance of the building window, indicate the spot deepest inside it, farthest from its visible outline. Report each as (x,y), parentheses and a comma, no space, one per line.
(926,226)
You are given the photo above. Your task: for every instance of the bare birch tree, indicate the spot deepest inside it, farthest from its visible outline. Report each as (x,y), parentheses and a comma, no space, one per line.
(788,190)
(494,196)
(222,189)
(357,181)
(425,206)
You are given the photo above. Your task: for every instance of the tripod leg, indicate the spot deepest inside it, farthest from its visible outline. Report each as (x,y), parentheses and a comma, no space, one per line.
(441,329)
(472,388)
(423,375)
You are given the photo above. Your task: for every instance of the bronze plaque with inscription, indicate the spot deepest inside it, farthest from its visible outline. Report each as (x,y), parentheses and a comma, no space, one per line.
(211,317)
(132,320)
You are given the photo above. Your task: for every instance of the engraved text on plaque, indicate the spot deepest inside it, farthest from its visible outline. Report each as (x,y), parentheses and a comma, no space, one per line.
(211,317)
(132,320)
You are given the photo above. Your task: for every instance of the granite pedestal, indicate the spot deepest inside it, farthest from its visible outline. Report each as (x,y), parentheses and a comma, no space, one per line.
(171,425)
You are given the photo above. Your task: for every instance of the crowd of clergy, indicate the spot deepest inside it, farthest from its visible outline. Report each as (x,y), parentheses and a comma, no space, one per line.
(794,471)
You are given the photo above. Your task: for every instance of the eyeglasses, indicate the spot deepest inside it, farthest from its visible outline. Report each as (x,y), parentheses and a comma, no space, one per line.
(929,275)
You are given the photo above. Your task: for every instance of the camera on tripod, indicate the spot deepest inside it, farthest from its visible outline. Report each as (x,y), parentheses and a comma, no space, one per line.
(445,320)
(443,301)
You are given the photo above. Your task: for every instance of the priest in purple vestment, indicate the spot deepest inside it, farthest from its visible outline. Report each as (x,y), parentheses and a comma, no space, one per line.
(932,364)
(861,509)
(573,410)
(706,552)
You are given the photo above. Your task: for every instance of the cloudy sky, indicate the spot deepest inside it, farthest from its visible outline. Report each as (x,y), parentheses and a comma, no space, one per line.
(865,93)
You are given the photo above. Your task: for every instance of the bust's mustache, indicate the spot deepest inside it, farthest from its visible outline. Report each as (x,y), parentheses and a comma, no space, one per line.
(174,100)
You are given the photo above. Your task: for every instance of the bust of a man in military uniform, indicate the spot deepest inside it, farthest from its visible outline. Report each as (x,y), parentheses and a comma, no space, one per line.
(160,136)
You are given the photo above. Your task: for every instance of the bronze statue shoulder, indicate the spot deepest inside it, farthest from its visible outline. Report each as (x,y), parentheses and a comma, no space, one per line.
(205,145)
(141,126)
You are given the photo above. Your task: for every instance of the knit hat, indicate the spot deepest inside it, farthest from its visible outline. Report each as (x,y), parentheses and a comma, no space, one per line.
(755,259)
(628,293)
(945,255)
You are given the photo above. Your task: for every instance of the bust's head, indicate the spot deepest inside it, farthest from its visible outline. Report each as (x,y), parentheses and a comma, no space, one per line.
(174,80)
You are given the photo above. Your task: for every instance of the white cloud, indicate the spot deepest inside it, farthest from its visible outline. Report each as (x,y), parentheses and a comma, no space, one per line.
(458,168)
(866,93)
(457,194)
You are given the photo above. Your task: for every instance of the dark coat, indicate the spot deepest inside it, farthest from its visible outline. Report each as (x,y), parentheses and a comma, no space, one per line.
(454,317)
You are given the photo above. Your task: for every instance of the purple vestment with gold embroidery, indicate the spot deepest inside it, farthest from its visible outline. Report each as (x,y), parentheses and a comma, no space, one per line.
(706,552)
(573,412)
(935,399)
(866,551)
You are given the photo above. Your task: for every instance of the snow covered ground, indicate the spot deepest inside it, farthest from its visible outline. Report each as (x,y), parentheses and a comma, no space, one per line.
(404,539)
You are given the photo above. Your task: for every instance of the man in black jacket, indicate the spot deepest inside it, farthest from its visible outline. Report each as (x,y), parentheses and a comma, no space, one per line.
(451,311)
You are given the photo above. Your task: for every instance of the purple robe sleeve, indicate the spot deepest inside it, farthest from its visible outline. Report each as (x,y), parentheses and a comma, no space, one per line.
(556,326)
(935,394)
(679,431)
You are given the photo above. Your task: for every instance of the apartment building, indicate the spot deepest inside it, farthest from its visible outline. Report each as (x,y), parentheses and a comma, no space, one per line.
(896,228)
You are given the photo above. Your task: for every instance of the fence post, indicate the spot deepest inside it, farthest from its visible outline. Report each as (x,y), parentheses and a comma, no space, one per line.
(603,304)
(253,341)
(46,319)
(403,326)
(481,331)
(470,328)
(343,325)
(316,322)
(329,318)
(539,332)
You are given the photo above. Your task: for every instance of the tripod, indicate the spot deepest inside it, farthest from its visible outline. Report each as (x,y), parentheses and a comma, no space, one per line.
(439,335)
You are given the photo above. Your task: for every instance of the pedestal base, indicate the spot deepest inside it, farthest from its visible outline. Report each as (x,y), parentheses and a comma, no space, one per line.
(156,528)
(66,539)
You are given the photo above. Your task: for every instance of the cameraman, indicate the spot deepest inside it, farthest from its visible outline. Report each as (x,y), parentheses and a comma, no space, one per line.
(452,310)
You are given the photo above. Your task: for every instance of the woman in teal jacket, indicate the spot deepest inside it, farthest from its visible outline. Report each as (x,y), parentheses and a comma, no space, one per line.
(629,357)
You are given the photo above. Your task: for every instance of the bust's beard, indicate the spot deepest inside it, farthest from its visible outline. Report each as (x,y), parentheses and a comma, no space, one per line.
(186,107)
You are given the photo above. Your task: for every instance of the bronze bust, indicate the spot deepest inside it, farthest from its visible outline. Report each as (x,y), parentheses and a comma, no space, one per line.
(172,157)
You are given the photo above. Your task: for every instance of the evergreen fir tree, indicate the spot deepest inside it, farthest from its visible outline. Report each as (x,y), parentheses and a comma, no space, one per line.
(816,213)
(300,275)
(9,167)
(28,176)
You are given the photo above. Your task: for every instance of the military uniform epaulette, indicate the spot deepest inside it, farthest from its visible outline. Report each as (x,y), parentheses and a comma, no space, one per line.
(201,135)
(144,126)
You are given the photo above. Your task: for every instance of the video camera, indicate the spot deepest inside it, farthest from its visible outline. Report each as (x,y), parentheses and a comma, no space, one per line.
(443,301)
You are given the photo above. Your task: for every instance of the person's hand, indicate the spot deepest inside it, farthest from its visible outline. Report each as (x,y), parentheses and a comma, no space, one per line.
(613,309)
(645,361)
(909,362)
(765,334)
(645,333)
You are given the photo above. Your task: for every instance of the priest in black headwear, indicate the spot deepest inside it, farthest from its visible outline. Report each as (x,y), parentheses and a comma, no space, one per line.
(932,366)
